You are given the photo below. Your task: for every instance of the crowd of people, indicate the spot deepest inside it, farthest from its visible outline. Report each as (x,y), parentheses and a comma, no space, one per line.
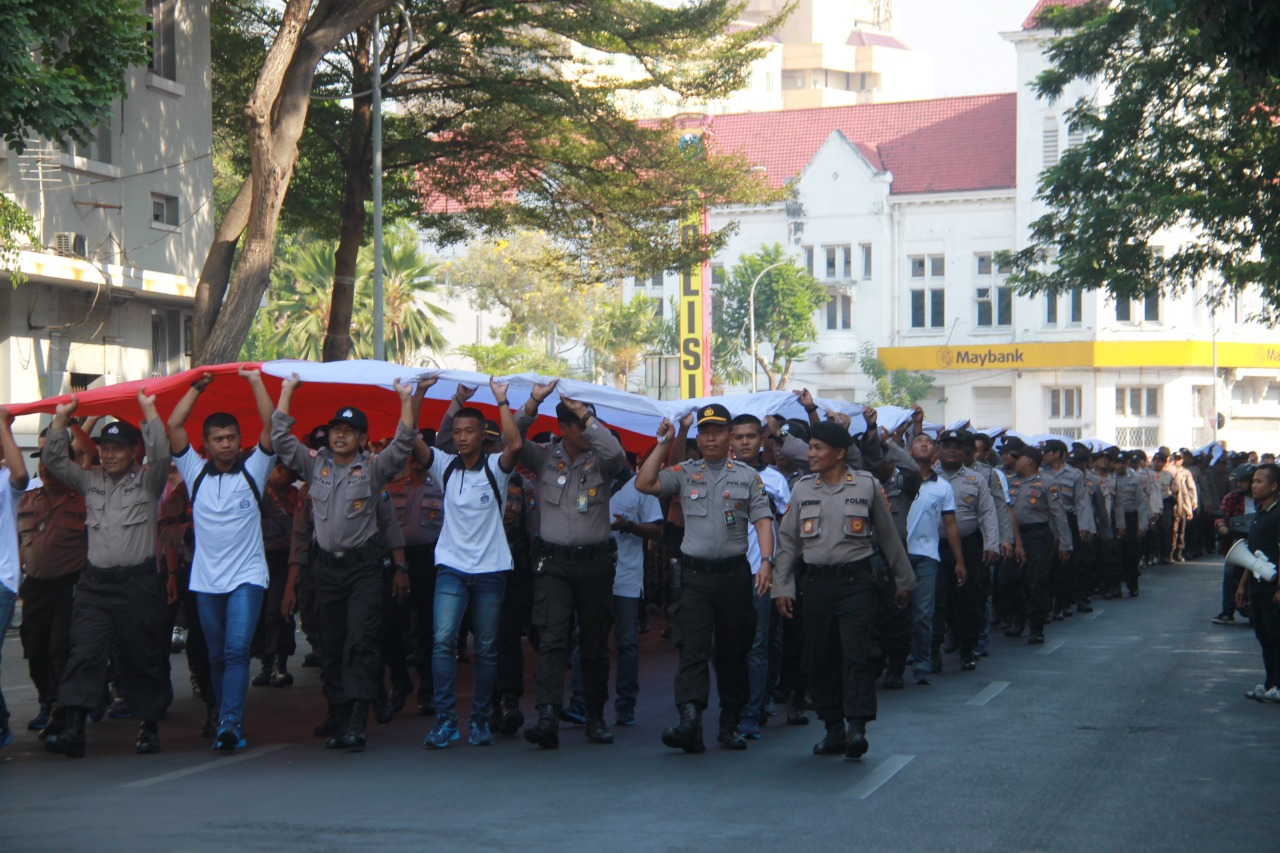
(808,566)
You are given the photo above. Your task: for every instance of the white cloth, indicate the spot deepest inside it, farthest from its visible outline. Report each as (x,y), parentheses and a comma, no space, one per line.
(10,563)
(628,580)
(775,484)
(227,521)
(472,540)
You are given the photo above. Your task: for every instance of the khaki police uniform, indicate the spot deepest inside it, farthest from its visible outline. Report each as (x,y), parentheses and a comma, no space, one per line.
(1132,510)
(419,507)
(1067,487)
(1041,522)
(120,600)
(977,519)
(831,531)
(715,610)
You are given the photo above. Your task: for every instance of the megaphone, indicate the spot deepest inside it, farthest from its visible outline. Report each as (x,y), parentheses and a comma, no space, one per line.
(1257,562)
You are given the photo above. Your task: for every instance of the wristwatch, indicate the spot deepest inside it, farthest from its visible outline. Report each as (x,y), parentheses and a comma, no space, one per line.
(770,560)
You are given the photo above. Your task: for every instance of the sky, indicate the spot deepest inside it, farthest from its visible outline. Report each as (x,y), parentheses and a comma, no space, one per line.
(969,57)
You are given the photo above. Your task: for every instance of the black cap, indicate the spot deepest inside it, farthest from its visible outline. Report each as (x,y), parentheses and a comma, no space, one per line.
(1138,455)
(565,415)
(318,437)
(1011,444)
(352,417)
(118,432)
(428,436)
(831,434)
(492,430)
(1113,453)
(1029,451)
(1056,445)
(799,429)
(712,415)
(960,435)
(1079,451)
(1244,472)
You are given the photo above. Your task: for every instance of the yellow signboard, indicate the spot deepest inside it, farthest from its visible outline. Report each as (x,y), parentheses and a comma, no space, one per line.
(1039,356)
(694,325)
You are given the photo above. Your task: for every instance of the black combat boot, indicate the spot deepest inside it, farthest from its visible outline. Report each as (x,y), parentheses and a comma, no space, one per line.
(354,737)
(835,742)
(210,727)
(335,727)
(263,678)
(546,732)
(280,675)
(729,737)
(512,717)
(70,740)
(148,738)
(857,742)
(688,734)
(795,709)
(597,729)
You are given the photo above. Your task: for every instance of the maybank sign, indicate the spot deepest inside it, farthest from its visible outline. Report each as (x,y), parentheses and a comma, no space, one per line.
(1033,356)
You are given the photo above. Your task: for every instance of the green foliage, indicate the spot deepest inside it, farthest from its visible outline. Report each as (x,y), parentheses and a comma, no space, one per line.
(16,230)
(63,63)
(786,298)
(500,359)
(622,334)
(892,388)
(728,352)
(1187,146)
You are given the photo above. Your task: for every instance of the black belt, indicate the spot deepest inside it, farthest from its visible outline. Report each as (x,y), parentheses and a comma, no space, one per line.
(1039,525)
(577,553)
(712,567)
(113,574)
(368,552)
(839,570)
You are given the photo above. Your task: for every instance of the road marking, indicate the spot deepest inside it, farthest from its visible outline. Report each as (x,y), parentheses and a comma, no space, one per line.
(883,772)
(988,693)
(208,765)
(1097,611)
(1052,647)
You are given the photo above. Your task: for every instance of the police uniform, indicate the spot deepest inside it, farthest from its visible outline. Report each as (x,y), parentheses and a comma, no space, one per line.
(120,600)
(519,516)
(575,556)
(833,529)
(348,564)
(1132,509)
(977,521)
(1067,487)
(715,613)
(893,623)
(276,631)
(1041,521)
(53,546)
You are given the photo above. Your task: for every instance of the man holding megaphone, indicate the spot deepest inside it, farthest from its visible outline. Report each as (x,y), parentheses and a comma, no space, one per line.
(1258,584)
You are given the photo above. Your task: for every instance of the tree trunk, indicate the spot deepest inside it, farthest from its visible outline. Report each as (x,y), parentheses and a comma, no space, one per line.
(767,368)
(357,166)
(216,271)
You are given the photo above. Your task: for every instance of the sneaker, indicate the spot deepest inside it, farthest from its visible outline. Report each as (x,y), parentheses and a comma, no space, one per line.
(1258,693)
(749,729)
(1272,695)
(178,642)
(625,718)
(480,735)
(573,714)
(40,720)
(6,736)
(229,739)
(445,733)
(1224,619)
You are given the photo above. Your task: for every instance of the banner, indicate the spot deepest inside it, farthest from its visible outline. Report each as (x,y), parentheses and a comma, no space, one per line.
(695,301)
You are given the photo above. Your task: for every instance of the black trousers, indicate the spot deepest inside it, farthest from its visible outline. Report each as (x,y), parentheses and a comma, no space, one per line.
(46,631)
(422,596)
(1164,531)
(516,618)
(840,622)
(1129,551)
(349,610)
(1030,595)
(275,634)
(307,613)
(1065,580)
(791,676)
(566,589)
(893,623)
(131,613)
(968,603)
(1108,558)
(1087,559)
(395,629)
(1266,627)
(715,619)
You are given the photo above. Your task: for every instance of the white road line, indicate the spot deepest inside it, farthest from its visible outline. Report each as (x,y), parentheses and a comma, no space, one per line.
(256,752)
(1097,611)
(988,693)
(883,772)
(1052,647)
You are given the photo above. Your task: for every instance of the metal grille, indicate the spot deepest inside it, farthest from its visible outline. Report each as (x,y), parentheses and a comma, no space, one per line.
(1141,436)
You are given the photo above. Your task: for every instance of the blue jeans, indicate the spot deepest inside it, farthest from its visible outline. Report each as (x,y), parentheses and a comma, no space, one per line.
(8,601)
(926,569)
(758,657)
(626,637)
(454,591)
(229,620)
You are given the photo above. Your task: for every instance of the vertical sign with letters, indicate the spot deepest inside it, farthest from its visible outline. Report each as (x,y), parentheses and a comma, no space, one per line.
(695,300)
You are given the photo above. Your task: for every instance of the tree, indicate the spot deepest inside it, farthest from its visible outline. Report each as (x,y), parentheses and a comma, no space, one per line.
(501,359)
(16,230)
(1186,146)
(786,299)
(622,334)
(892,388)
(408,286)
(728,365)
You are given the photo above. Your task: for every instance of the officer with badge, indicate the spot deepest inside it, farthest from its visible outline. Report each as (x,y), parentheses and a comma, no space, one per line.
(1133,514)
(1041,522)
(575,555)
(1067,486)
(344,484)
(836,516)
(715,616)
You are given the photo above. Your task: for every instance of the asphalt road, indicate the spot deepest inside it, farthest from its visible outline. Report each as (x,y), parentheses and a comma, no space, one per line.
(1128,730)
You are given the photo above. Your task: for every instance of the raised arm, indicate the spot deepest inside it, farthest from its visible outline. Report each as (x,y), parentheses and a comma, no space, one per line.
(529,411)
(55,456)
(178,439)
(444,435)
(283,441)
(510,432)
(263,404)
(806,402)
(13,460)
(155,442)
(608,449)
(647,477)
(675,450)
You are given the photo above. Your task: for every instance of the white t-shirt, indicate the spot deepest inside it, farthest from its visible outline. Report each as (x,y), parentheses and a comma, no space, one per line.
(472,540)
(10,562)
(924,518)
(628,581)
(227,522)
(775,484)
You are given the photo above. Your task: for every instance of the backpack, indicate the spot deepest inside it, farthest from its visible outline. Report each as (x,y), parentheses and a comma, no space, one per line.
(210,468)
(456,465)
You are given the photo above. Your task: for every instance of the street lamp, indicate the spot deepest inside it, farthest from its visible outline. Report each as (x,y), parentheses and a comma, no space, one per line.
(751,316)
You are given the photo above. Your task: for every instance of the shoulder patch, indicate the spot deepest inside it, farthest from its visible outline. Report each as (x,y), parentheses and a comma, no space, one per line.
(674,468)
(313,453)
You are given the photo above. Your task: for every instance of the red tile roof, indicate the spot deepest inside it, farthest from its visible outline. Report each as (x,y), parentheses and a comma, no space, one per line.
(939,145)
(870,38)
(1041,5)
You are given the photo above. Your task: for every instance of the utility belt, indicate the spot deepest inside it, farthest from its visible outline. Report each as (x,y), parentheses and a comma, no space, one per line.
(705,566)
(372,551)
(838,570)
(1033,528)
(115,574)
(576,553)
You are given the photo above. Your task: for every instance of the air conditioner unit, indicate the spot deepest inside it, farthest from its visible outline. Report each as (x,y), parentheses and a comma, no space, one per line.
(69,244)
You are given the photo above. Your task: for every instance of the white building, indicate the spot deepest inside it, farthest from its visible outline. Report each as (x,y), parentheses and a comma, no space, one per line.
(898,209)
(123,225)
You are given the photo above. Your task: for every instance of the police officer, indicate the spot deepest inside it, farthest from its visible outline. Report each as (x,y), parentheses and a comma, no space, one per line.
(120,596)
(575,559)
(836,516)
(979,529)
(53,546)
(716,613)
(1067,487)
(344,483)
(1041,522)
(1132,508)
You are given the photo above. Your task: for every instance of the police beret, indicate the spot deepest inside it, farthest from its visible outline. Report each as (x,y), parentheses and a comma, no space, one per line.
(831,434)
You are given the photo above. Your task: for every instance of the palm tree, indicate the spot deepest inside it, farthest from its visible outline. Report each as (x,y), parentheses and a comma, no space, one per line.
(299,303)
(408,283)
(623,333)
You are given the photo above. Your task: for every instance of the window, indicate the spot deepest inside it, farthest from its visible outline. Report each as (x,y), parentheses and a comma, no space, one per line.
(1064,404)
(838,263)
(1077,306)
(1142,436)
(1124,313)
(164,210)
(808,259)
(1075,136)
(768,81)
(994,299)
(1137,402)
(1050,141)
(928,294)
(717,275)
(866,260)
(839,311)
(97,146)
(164,38)
(1051,309)
(1150,309)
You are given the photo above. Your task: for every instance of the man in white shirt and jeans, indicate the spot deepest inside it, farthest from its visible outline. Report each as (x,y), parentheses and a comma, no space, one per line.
(13,481)
(636,517)
(229,572)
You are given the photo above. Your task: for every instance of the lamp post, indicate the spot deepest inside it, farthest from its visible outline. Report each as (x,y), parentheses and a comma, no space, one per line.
(751,317)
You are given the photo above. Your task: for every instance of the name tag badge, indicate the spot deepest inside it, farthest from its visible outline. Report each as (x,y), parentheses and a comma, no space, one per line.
(808,527)
(730,518)
(582,503)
